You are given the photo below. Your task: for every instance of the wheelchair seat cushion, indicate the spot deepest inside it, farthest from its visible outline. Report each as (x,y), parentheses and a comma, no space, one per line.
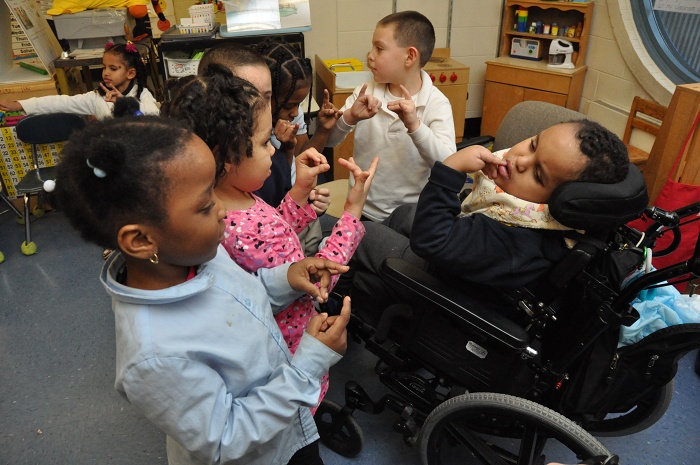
(595,206)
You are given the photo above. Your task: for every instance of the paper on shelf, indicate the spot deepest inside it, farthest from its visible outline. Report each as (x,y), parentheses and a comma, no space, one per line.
(32,21)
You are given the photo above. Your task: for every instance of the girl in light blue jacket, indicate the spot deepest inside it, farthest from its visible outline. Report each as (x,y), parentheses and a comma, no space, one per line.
(198,349)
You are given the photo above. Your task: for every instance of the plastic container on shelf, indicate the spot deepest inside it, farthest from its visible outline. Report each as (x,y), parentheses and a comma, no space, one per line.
(522,20)
(202,13)
(178,64)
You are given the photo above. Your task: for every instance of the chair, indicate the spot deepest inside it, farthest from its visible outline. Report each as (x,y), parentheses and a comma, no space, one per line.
(518,124)
(36,130)
(529,118)
(11,206)
(646,116)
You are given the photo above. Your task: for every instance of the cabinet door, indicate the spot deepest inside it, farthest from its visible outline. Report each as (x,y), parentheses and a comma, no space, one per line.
(544,96)
(457,95)
(498,99)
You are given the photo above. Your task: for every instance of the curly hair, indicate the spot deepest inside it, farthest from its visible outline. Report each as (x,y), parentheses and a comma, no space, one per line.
(608,160)
(220,108)
(412,29)
(111,174)
(132,60)
(288,69)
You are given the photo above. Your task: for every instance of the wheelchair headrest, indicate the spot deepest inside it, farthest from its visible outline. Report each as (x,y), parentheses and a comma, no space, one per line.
(593,206)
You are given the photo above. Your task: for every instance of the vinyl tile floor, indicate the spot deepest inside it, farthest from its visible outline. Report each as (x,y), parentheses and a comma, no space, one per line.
(57,399)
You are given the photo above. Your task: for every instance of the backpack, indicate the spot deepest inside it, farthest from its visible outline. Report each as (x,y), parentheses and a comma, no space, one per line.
(618,382)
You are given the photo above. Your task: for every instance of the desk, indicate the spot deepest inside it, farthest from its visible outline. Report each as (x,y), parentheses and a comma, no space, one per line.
(84,61)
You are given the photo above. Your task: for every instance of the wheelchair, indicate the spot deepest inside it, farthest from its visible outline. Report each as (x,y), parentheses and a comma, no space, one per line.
(527,379)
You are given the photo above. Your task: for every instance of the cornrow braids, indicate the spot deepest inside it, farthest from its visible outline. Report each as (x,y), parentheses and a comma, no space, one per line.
(287,69)
(111,174)
(130,55)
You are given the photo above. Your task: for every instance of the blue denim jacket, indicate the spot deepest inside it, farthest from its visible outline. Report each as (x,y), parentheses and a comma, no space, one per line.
(206,363)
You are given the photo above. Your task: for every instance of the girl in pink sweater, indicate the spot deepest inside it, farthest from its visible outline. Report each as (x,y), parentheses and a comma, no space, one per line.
(236,122)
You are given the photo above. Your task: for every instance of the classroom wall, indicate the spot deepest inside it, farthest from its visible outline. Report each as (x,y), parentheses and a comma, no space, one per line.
(343,29)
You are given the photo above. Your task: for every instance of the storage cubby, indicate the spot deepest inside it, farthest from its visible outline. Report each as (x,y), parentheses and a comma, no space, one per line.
(562,13)
(511,80)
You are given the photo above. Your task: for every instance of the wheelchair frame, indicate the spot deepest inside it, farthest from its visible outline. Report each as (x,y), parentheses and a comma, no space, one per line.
(520,386)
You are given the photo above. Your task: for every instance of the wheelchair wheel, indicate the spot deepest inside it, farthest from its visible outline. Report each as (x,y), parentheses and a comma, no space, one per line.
(339,431)
(647,412)
(498,429)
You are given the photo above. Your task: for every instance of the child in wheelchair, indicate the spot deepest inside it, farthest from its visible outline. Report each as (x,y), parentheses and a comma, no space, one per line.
(502,235)
(459,366)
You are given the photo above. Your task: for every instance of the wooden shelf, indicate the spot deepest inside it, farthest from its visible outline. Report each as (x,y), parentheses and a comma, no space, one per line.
(511,80)
(563,13)
(573,40)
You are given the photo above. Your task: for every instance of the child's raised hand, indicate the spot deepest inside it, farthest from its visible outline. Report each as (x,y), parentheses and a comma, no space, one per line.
(406,110)
(286,134)
(320,200)
(357,195)
(328,114)
(10,105)
(475,158)
(111,93)
(312,275)
(364,107)
(331,330)
(309,164)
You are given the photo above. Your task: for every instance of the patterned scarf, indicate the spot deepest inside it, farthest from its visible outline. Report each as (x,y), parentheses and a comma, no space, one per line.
(488,199)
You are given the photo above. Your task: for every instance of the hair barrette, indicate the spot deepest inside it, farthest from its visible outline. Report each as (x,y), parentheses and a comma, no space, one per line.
(131,48)
(109,45)
(98,172)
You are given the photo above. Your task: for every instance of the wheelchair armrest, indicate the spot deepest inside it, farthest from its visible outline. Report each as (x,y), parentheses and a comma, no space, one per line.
(478,140)
(484,316)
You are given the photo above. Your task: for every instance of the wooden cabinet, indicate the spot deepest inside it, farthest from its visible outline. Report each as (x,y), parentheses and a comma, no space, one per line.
(511,80)
(450,76)
(325,79)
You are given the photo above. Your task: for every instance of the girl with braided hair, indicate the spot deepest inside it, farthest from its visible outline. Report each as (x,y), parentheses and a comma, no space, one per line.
(124,75)
(291,84)
(292,76)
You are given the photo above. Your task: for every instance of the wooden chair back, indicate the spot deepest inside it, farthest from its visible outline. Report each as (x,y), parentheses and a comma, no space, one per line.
(645,115)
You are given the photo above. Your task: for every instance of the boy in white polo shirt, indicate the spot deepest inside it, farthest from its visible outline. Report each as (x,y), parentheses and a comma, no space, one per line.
(399,117)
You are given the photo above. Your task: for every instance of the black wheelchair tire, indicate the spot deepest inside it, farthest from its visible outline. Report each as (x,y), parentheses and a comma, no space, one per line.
(486,413)
(348,439)
(648,411)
